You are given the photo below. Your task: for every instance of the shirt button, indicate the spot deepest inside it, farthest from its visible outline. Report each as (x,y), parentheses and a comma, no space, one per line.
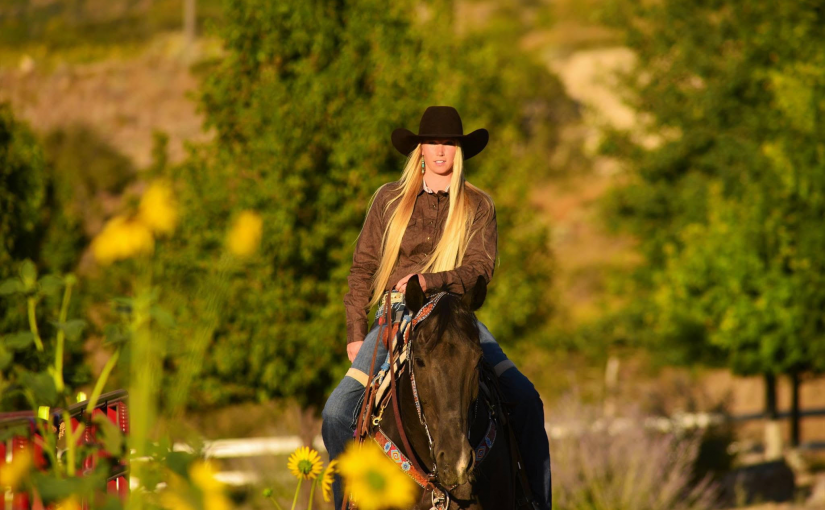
(428,238)
(431,222)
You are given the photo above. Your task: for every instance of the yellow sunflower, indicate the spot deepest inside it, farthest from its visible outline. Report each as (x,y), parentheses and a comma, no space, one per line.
(327,479)
(16,472)
(157,208)
(122,238)
(305,463)
(245,235)
(373,480)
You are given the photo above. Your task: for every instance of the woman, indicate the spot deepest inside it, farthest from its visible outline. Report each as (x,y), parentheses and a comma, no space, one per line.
(435,224)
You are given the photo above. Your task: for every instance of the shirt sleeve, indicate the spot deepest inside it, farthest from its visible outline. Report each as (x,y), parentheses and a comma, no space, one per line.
(365,260)
(479,259)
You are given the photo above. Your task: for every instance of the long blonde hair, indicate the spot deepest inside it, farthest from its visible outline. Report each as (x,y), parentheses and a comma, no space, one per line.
(449,252)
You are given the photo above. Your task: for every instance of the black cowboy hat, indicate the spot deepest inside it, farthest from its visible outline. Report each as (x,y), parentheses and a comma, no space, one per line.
(440,122)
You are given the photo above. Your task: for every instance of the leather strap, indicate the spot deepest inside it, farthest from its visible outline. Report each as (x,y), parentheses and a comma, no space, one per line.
(398,423)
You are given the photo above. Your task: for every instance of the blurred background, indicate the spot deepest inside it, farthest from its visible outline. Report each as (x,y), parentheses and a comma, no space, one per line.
(658,168)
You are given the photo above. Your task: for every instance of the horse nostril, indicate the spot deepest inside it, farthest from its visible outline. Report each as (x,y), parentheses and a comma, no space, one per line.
(440,458)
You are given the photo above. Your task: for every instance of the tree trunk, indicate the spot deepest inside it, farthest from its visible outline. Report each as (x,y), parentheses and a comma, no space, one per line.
(795,409)
(189,23)
(773,432)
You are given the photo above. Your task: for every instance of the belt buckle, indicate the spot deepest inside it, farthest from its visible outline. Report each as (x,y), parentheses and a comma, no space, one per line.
(395,298)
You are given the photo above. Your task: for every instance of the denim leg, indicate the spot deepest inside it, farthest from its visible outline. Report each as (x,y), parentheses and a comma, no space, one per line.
(527,417)
(341,410)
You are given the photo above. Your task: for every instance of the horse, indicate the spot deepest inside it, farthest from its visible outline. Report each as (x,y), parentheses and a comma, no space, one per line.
(442,418)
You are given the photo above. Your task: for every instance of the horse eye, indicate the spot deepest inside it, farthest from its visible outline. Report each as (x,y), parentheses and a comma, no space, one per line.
(419,362)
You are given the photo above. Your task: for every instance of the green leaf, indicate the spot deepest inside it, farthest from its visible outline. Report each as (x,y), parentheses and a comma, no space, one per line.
(72,328)
(111,503)
(28,273)
(114,334)
(42,386)
(111,436)
(179,462)
(18,341)
(11,286)
(162,317)
(52,488)
(5,357)
(51,284)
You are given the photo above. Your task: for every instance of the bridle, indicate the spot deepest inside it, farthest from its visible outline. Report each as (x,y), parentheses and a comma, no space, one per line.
(427,480)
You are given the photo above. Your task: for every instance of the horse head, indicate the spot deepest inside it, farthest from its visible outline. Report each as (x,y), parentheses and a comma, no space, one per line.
(446,353)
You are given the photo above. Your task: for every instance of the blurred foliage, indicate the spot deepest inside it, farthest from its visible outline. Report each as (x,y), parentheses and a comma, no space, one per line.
(302,105)
(30,226)
(609,464)
(59,25)
(727,203)
(23,190)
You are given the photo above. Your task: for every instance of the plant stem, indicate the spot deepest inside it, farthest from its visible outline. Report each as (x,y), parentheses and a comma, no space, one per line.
(101,381)
(71,442)
(312,493)
(277,505)
(297,490)
(33,324)
(61,337)
(49,448)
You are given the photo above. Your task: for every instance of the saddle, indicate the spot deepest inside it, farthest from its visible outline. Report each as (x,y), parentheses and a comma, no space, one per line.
(396,328)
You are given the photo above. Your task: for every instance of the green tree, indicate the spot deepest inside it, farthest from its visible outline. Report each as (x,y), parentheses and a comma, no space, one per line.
(727,204)
(22,189)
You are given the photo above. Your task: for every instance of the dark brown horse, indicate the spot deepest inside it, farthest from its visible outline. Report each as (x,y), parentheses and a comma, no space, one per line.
(457,430)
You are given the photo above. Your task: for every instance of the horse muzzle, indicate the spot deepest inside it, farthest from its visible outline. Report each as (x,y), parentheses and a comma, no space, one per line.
(455,464)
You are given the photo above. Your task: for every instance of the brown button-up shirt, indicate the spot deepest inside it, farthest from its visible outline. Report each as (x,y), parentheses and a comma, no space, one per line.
(420,239)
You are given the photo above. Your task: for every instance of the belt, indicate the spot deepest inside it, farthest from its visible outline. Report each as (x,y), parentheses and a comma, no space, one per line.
(395,298)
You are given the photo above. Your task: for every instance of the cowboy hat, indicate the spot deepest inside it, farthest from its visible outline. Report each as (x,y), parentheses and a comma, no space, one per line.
(440,122)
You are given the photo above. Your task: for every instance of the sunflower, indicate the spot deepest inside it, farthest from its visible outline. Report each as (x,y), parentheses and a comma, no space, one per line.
(122,238)
(245,235)
(157,208)
(327,479)
(373,480)
(305,463)
(14,473)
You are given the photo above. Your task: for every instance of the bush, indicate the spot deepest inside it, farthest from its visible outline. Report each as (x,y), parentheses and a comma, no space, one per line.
(603,464)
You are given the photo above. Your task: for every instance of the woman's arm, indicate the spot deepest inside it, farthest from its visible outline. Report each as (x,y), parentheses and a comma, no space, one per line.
(365,260)
(479,259)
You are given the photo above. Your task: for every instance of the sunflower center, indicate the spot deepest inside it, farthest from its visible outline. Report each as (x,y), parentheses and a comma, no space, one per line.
(304,466)
(376,480)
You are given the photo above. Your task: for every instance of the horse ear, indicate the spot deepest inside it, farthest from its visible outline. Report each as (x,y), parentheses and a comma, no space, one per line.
(415,296)
(475,298)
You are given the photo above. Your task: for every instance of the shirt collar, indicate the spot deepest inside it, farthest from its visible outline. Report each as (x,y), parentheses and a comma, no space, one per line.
(430,191)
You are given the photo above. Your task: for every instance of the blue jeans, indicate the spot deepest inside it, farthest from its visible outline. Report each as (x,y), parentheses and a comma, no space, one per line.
(527,416)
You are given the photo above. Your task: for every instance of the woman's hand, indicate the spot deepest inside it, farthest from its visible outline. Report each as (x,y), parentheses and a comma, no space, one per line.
(352,350)
(401,286)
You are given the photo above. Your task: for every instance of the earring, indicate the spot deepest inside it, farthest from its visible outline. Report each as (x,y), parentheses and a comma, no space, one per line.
(422,167)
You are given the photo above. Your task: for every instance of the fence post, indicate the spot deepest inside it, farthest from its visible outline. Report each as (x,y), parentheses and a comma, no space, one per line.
(773,432)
